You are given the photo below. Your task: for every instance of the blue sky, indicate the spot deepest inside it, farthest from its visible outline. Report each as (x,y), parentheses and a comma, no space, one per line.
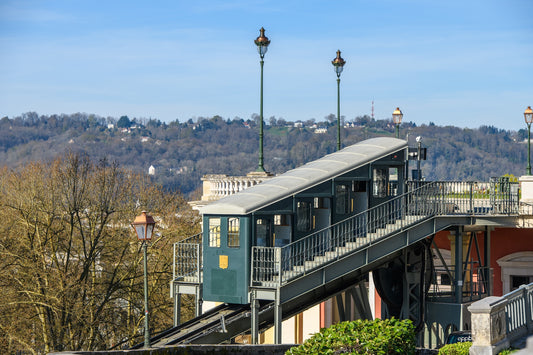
(462,63)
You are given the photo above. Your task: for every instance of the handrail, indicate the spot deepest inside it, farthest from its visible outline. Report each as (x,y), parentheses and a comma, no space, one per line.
(188,259)
(422,201)
(196,239)
(518,311)
(187,262)
(499,321)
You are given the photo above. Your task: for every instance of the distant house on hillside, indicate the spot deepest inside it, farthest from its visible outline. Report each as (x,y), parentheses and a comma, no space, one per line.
(151,170)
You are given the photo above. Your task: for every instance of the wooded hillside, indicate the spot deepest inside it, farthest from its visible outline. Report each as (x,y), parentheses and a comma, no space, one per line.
(182,152)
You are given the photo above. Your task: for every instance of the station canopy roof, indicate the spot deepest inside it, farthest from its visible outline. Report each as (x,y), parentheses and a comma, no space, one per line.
(304,177)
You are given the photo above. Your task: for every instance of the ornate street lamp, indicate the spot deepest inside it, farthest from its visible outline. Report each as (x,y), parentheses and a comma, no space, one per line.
(262,43)
(528,117)
(397,116)
(144,226)
(338,64)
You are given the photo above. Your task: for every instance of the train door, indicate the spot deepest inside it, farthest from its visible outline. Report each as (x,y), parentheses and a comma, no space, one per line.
(343,201)
(304,221)
(321,214)
(385,184)
(282,230)
(360,196)
(226,259)
(264,231)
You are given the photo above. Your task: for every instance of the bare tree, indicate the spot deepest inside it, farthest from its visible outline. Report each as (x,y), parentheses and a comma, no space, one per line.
(70,268)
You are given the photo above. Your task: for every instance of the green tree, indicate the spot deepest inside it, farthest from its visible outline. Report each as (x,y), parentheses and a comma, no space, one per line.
(124,122)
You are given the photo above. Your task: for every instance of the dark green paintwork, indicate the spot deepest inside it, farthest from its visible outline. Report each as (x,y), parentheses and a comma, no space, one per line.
(227,285)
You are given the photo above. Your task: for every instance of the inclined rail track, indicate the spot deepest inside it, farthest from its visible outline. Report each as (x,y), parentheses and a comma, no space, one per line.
(218,325)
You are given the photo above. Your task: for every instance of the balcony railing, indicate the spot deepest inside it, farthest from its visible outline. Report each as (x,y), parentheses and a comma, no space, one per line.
(499,321)
(188,260)
(519,311)
(475,284)
(423,200)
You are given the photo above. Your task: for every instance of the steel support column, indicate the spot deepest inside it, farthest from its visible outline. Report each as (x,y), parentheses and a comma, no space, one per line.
(340,308)
(459,265)
(361,301)
(486,256)
(199,302)
(277,318)
(177,308)
(254,305)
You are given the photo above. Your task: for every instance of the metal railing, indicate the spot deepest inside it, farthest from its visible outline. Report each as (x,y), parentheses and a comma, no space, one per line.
(473,198)
(188,260)
(422,201)
(475,284)
(500,321)
(519,311)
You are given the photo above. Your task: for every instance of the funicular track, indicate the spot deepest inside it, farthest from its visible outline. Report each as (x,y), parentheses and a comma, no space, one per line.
(211,327)
(316,267)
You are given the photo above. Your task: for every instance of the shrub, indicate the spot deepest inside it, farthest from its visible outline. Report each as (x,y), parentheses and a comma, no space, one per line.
(384,337)
(455,349)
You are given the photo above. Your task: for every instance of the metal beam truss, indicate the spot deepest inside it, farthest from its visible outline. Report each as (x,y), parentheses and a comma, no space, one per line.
(458,283)
(356,299)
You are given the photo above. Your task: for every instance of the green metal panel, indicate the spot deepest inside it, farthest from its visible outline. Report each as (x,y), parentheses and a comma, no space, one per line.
(320,190)
(281,207)
(226,269)
(362,173)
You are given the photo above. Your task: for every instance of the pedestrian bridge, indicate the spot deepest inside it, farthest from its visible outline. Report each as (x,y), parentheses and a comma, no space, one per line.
(287,280)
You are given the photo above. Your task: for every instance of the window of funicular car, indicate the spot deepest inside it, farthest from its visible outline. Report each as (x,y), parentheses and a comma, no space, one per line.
(233,232)
(385,181)
(379,182)
(303,216)
(214,232)
(342,195)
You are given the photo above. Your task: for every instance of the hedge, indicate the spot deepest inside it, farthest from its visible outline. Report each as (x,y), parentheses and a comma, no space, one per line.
(383,337)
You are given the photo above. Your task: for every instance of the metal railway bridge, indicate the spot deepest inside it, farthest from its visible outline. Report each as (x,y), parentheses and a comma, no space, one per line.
(395,235)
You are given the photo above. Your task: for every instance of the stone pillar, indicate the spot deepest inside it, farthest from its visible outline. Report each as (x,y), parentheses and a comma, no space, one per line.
(526,183)
(526,200)
(489,333)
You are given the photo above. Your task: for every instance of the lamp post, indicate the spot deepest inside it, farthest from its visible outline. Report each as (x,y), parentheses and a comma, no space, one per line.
(144,226)
(262,43)
(397,116)
(418,156)
(338,64)
(528,117)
